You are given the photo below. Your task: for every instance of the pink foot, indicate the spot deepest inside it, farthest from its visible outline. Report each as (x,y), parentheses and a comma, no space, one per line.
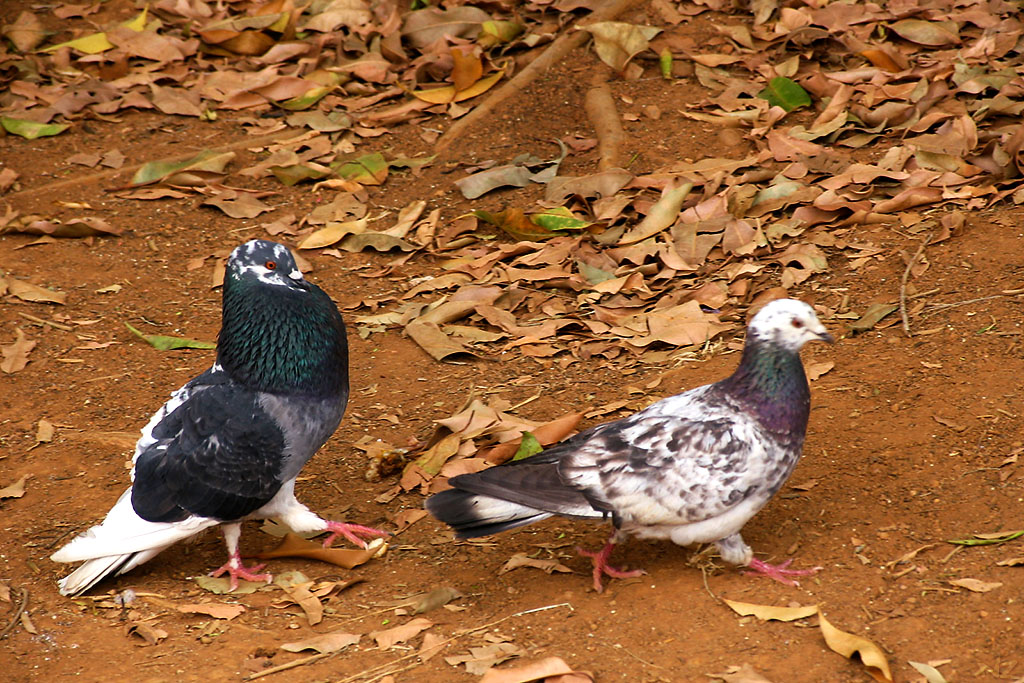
(601,566)
(236,570)
(779,572)
(352,532)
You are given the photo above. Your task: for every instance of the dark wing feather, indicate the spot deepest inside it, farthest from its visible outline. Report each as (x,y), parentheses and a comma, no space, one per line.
(218,455)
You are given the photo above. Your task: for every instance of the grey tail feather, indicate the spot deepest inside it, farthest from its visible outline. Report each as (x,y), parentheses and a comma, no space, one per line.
(472,515)
(94,571)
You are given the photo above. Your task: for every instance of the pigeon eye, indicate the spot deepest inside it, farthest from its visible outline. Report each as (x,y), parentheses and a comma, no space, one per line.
(270,265)
(798,323)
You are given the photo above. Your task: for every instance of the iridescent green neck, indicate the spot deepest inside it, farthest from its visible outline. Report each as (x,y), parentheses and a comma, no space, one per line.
(771,380)
(280,340)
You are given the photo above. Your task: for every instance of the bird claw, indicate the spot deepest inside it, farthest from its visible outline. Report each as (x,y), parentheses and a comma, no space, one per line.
(352,532)
(601,566)
(236,570)
(779,572)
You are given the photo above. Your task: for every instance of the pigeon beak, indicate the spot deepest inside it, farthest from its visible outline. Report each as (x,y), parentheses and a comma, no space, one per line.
(295,274)
(826,337)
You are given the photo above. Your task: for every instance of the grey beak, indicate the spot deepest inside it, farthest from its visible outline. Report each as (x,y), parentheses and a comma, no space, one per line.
(826,337)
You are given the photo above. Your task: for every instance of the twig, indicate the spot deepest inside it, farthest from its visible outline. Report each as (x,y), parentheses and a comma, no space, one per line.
(292,664)
(604,117)
(938,308)
(903,283)
(563,45)
(374,671)
(59,326)
(17,614)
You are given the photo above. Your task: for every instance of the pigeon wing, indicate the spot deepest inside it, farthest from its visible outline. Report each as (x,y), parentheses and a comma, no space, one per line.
(217,454)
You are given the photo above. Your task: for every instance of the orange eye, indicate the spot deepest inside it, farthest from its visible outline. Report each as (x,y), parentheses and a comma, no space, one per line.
(270,265)
(798,323)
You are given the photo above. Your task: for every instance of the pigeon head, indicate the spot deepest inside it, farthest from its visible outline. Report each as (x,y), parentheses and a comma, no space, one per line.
(267,263)
(787,323)
(279,332)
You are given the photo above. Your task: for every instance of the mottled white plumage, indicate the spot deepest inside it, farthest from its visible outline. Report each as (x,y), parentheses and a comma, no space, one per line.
(692,468)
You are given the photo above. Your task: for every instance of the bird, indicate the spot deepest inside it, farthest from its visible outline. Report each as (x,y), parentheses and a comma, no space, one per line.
(229,444)
(691,468)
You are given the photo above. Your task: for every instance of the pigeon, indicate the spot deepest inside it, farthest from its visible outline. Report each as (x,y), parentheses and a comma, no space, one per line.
(691,468)
(228,445)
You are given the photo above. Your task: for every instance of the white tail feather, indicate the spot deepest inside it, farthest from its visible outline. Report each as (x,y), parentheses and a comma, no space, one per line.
(121,542)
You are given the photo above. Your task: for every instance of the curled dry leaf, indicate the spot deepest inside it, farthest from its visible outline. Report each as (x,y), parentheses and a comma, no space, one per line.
(16,354)
(524,560)
(848,644)
(549,668)
(324,643)
(930,673)
(150,634)
(295,546)
(975,585)
(15,490)
(772,612)
(399,634)
(740,674)
(217,610)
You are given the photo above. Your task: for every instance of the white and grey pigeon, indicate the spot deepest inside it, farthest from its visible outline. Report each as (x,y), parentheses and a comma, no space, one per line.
(692,468)
(228,445)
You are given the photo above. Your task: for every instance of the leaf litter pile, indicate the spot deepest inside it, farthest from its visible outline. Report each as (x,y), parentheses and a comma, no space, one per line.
(850,115)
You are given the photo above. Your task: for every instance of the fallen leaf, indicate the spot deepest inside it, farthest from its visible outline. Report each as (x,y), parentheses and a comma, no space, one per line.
(150,634)
(217,610)
(324,642)
(975,585)
(304,598)
(740,674)
(16,354)
(30,130)
(432,600)
(930,673)
(771,612)
(994,538)
(26,291)
(164,343)
(222,585)
(848,644)
(816,370)
(296,546)
(549,668)
(524,560)
(15,490)
(399,634)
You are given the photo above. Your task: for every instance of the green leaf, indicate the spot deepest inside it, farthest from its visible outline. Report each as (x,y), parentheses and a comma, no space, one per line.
(989,539)
(527,447)
(30,130)
(296,173)
(371,169)
(665,63)
(205,163)
(307,99)
(158,341)
(559,218)
(785,93)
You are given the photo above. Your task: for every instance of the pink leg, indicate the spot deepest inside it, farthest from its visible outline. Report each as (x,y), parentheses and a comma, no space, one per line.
(236,570)
(353,532)
(234,566)
(601,566)
(779,572)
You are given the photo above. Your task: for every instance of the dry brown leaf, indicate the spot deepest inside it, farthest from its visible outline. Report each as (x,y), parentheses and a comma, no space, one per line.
(305,599)
(546,434)
(740,674)
(16,354)
(541,670)
(816,370)
(217,610)
(975,585)
(150,634)
(26,291)
(324,642)
(15,490)
(848,644)
(524,560)
(406,518)
(399,634)
(772,612)
(295,546)
(432,645)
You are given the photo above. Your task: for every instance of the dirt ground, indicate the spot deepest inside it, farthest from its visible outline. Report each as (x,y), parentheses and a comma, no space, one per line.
(912,442)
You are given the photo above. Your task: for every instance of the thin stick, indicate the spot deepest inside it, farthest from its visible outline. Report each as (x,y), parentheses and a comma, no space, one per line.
(375,670)
(563,45)
(17,614)
(59,326)
(903,283)
(292,665)
(938,308)
(604,117)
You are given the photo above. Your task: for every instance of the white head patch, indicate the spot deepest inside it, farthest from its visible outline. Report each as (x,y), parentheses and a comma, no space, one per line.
(269,262)
(789,323)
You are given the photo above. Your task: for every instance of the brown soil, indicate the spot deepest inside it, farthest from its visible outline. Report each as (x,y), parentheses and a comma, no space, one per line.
(881,475)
